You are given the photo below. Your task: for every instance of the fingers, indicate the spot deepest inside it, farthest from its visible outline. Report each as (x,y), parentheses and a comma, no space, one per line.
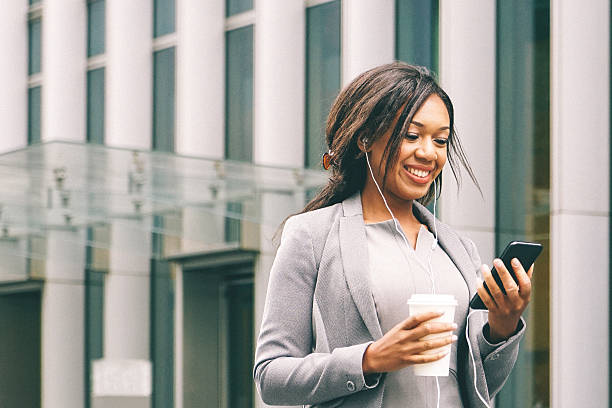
(510,286)
(415,320)
(523,278)
(427,328)
(486,298)
(426,358)
(435,343)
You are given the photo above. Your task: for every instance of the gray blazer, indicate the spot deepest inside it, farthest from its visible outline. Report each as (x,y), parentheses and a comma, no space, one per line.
(320,316)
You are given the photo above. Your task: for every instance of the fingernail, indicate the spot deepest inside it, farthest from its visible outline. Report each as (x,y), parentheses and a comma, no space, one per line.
(515,262)
(454,338)
(454,325)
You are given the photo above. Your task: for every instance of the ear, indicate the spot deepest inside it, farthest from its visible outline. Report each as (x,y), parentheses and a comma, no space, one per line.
(364,144)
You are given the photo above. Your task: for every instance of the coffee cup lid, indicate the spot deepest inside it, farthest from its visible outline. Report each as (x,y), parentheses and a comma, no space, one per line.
(432,299)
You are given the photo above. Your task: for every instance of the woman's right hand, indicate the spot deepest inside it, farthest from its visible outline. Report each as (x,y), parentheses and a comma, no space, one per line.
(402,345)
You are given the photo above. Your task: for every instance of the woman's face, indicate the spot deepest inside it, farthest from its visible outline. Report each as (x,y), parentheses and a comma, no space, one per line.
(422,152)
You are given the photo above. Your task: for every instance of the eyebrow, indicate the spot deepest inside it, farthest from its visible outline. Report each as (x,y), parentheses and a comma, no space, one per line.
(414,122)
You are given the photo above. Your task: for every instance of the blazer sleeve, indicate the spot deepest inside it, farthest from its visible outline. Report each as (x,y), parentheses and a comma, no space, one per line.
(497,359)
(286,371)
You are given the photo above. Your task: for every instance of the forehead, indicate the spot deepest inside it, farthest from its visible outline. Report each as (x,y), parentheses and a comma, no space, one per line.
(432,112)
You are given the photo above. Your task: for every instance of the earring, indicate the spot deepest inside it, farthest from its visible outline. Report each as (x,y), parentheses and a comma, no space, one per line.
(327,158)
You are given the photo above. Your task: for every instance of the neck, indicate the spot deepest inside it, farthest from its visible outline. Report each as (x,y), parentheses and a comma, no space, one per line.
(374,209)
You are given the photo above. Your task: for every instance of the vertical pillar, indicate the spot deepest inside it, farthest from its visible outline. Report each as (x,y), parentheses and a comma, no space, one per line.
(279,82)
(129,95)
(13,75)
(200,77)
(363,47)
(467,73)
(62,334)
(127,304)
(279,78)
(64,41)
(580,207)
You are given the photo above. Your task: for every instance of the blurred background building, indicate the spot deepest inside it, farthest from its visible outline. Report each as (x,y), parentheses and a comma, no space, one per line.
(151,148)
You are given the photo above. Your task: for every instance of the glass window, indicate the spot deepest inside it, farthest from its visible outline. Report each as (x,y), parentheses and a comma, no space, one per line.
(239,94)
(322,74)
(163,100)
(34,115)
(95,27)
(94,313)
(162,322)
(34,38)
(163,17)
(95,106)
(416,32)
(237,6)
(34,1)
(523,177)
(239,301)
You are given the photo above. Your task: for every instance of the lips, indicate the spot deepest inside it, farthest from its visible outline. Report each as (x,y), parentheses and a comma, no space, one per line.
(420,176)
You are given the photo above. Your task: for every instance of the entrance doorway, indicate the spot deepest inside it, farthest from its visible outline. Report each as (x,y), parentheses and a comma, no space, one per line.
(20,344)
(218,327)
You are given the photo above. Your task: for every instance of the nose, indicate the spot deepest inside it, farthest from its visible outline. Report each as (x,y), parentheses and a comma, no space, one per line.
(426,150)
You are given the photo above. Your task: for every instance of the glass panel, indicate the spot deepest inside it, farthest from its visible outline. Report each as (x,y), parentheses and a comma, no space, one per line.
(34,1)
(34,115)
(322,74)
(239,94)
(239,300)
(95,27)
(416,32)
(34,38)
(163,17)
(163,100)
(237,6)
(95,106)
(232,222)
(523,178)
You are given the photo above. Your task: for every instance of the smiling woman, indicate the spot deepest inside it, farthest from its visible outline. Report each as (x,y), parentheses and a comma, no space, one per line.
(336,316)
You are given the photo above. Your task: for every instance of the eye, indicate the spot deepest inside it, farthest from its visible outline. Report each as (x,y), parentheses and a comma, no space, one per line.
(441,141)
(412,136)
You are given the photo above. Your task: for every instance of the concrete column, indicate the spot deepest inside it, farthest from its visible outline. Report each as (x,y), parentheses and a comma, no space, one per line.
(14,75)
(580,205)
(129,82)
(467,73)
(279,82)
(126,303)
(64,41)
(200,78)
(62,334)
(362,46)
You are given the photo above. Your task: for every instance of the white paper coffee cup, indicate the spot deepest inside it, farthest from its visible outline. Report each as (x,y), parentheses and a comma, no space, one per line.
(422,303)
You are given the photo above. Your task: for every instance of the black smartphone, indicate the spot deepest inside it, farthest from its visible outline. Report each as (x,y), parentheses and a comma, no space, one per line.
(525,252)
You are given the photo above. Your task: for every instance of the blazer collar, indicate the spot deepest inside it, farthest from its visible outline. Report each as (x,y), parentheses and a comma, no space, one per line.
(355,261)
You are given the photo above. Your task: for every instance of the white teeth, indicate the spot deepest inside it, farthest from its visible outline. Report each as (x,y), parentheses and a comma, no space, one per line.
(418,173)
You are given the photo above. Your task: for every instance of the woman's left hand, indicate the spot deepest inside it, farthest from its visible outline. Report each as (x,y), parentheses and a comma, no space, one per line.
(505,310)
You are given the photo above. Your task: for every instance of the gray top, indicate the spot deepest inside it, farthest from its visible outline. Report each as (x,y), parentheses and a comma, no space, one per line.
(397,272)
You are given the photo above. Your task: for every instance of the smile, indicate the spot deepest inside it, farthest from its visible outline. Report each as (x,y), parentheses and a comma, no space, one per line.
(418,173)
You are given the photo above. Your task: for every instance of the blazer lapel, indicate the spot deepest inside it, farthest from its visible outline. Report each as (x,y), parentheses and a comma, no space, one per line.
(354,252)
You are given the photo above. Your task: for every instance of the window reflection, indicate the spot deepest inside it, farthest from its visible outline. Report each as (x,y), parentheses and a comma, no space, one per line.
(523,178)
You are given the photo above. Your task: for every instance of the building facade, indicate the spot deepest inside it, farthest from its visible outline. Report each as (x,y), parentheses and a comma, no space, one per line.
(151,148)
